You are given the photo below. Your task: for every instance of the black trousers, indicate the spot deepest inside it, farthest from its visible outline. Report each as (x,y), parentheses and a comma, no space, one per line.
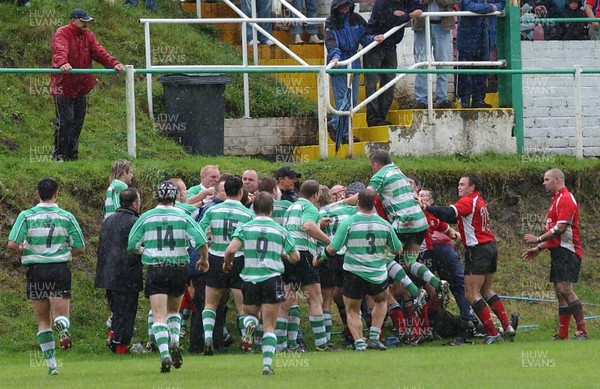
(381,57)
(123,306)
(196,326)
(70,114)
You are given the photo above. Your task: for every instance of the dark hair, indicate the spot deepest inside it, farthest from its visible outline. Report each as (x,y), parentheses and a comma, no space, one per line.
(223,177)
(263,203)
(267,184)
(382,157)
(47,188)
(233,184)
(432,194)
(309,188)
(128,197)
(473,180)
(366,199)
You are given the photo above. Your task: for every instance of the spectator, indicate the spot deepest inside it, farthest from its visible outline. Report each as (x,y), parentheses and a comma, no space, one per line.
(311,29)
(286,180)
(150,4)
(74,46)
(263,10)
(593,11)
(345,30)
(441,39)
(386,15)
(574,31)
(475,39)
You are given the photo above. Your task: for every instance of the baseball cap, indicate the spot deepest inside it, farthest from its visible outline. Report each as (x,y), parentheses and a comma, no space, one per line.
(287,171)
(354,188)
(81,14)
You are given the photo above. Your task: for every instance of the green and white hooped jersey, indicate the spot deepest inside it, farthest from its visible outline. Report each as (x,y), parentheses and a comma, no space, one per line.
(222,219)
(112,201)
(368,238)
(165,233)
(296,215)
(185,207)
(263,242)
(48,234)
(397,198)
(337,212)
(194,190)
(279,208)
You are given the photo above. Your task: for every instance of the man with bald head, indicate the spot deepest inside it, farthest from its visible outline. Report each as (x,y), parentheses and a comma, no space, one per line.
(561,238)
(198,195)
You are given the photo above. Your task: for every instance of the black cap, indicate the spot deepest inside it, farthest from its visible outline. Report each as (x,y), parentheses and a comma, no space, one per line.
(287,171)
(354,188)
(81,14)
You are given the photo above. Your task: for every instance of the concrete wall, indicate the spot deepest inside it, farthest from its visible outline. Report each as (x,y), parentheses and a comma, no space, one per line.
(466,131)
(549,100)
(269,137)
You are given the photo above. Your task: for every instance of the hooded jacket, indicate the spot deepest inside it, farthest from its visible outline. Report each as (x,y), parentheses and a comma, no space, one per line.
(382,18)
(77,48)
(345,32)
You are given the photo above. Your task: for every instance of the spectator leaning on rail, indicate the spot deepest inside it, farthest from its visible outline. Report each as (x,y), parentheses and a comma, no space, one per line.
(74,46)
(574,31)
(475,39)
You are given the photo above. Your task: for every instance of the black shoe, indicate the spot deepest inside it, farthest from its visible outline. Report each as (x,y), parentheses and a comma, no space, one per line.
(514,321)
(421,105)
(176,355)
(465,104)
(379,123)
(165,365)
(331,131)
(228,341)
(208,348)
(445,104)
(345,140)
(480,104)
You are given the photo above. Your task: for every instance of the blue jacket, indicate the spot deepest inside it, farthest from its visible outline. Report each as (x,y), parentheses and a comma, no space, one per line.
(382,18)
(345,32)
(477,33)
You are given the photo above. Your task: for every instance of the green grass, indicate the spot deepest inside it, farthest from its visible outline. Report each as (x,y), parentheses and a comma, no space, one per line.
(523,364)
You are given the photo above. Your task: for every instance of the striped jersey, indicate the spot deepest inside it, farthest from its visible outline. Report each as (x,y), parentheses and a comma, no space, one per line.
(398,200)
(297,214)
(473,220)
(564,210)
(222,219)
(187,208)
(337,212)
(111,201)
(194,190)
(368,238)
(165,233)
(279,208)
(48,234)
(263,242)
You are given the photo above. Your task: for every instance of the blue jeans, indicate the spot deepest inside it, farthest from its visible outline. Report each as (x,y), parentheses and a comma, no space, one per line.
(311,12)
(447,263)
(339,85)
(442,51)
(263,10)
(150,4)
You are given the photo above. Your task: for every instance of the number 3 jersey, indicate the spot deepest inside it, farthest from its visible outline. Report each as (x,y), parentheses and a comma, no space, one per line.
(48,234)
(473,220)
(165,233)
(263,242)
(222,219)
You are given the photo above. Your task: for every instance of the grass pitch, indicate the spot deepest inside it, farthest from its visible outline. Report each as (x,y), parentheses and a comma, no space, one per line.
(522,364)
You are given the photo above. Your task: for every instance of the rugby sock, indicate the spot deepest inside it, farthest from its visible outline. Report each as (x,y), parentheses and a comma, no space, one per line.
(577,311)
(374,332)
(424,320)
(150,322)
(250,319)
(225,332)
(281,332)
(293,325)
(208,321)
(360,344)
(258,333)
(185,315)
(47,345)
(63,323)
(174,325)
(397,318)
(318,328)
(397,273)
(498,307)
(412,321)
(161,334)
(421,271)
(483,312)
(269,341)
(240,321)
(564,320)
(328,324)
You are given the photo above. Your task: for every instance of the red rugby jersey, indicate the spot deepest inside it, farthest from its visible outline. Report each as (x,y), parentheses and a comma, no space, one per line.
(473,220)
(564,209)
(435,224)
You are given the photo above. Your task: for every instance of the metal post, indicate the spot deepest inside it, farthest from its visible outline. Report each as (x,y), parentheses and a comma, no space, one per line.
(148,66)
(349,79)
(130,100)
(578,129)
(322,88)
(199,9)
(429,75)
(245,64)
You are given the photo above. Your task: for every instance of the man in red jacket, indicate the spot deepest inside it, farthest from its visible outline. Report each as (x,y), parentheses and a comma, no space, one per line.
(74,46)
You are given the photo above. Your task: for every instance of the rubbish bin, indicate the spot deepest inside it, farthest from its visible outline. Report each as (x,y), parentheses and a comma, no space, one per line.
(195,105)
